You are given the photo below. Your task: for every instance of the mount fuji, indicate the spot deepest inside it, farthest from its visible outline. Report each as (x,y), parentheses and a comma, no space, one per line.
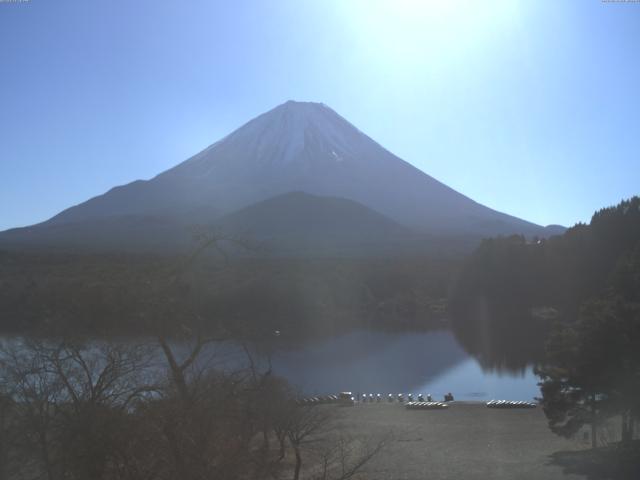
(342,179)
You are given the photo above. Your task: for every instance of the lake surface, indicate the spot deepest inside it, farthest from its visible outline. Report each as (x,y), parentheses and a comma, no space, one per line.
(377,362)
(374,362)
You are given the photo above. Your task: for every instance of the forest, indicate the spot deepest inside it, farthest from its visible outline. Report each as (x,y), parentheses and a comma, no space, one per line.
(301,297)
(512,291)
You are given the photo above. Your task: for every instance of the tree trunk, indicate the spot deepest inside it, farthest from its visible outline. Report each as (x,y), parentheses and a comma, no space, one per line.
(177,371)
(296,473)
(594,429)
(45,455)
(174,448)
(628,423)
(625,427)
(281,442)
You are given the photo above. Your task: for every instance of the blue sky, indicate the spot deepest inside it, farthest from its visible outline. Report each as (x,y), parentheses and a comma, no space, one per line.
(531,108)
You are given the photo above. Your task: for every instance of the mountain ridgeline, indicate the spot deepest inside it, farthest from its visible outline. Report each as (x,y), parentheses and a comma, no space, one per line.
(300,178)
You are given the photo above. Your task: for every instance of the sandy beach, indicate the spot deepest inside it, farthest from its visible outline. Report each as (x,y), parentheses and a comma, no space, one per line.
(466,441)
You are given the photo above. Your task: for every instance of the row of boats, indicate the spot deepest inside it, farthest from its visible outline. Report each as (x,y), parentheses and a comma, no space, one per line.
(510,404)
(421,401)
(318,400)
(350,398)
(400,397)
(426,406)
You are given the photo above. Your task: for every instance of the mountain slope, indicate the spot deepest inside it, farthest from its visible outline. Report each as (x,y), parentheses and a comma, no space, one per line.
(108,233)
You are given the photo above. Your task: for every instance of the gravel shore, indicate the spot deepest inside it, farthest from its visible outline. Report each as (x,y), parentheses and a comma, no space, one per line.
(466,441)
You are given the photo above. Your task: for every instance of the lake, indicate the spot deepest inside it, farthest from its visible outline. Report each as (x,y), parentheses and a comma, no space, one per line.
(374,362)
(417,362)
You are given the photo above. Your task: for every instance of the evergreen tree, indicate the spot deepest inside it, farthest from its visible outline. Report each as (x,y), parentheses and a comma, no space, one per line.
(592,367)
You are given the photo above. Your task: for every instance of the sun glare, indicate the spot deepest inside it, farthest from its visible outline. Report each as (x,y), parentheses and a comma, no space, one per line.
(404,32)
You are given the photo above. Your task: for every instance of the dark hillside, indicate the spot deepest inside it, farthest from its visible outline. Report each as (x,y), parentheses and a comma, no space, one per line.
(511,290)
(125,294)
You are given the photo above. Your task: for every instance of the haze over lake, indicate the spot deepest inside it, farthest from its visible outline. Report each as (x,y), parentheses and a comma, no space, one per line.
(376,362)
(380,362)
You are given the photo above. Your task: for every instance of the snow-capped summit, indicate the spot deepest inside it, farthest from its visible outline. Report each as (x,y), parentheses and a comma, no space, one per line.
(282,136)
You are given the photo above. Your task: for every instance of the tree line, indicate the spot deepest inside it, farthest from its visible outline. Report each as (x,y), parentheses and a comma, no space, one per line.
(591,369)
(512,290)
(116,294)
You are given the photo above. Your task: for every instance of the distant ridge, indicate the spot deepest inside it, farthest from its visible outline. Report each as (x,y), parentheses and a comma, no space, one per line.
(303,223)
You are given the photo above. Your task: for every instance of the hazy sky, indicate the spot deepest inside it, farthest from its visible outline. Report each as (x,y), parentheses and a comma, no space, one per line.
(530,108)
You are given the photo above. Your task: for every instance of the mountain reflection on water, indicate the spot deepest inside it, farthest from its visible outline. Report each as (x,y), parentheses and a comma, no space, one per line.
(366,362)
(381,362)
(371,362)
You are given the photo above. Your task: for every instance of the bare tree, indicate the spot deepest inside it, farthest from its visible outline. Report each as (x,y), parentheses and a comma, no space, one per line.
(302,426)
(344,457)
(70,403)
(313,432)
